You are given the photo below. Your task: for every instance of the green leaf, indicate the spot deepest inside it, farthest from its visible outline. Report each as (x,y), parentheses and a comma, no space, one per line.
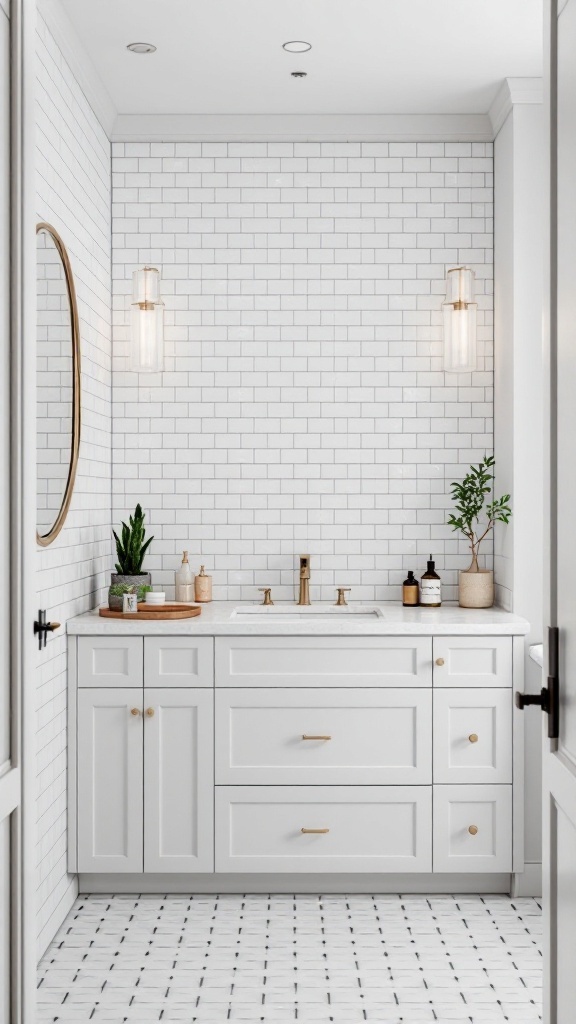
(475,515)
(131,545)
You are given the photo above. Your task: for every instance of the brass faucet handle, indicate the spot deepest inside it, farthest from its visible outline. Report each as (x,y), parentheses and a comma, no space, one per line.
(341,591)
(267,591)
(304,567)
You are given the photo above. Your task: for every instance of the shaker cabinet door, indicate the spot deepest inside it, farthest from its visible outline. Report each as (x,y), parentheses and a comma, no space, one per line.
(178,780)
(472,735)
(178,661)
(110,660)
(110,804)
(472,661)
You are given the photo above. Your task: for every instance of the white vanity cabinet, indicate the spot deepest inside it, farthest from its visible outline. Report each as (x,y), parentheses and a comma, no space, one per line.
(280,755)
(145,754)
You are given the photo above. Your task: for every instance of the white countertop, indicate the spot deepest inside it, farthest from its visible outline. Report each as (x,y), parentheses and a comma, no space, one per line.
(536,652)
(220,618)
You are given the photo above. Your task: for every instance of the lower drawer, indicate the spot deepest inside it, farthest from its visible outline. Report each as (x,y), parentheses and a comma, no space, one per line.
(472,828)
(323,828)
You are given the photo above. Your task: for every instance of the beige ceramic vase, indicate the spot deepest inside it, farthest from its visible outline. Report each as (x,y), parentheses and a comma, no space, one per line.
(476,588)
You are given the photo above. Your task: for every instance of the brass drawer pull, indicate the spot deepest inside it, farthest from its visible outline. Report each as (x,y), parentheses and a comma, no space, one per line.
(135,711)
(439,662)
(473,830)
(473,737)
(306,737)
(150,712)
(314,831)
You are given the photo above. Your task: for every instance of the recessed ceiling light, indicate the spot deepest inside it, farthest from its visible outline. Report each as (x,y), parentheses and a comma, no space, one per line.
(296,46)
(299,74)
(141,47)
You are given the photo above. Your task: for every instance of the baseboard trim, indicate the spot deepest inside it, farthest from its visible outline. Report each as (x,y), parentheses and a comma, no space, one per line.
(529,881)
(132,884)
(56,918)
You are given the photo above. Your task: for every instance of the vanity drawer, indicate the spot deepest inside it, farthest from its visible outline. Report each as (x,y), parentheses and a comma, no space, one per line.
(473,661)
(110,660)
(178,661)
(472,828)
(323,736)
(323,661)
(472,735)
(371,828)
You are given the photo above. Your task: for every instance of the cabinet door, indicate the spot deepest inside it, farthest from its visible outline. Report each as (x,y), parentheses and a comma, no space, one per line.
(472,661)
(473,828)
(178,780)
(472,735)
(178,661)
(323,736)
(110,803)
(110,660)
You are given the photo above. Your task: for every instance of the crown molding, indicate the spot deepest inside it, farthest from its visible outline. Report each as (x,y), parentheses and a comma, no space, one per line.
(302,128)
(79,62)
(511,92)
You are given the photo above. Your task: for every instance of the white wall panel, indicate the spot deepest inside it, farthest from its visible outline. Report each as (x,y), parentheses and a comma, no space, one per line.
(303,407)
(73,194)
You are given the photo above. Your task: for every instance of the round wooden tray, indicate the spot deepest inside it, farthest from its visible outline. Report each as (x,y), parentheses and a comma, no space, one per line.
(160,611)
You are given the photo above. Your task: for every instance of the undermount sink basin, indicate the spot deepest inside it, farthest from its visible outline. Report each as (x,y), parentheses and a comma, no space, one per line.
(296,613)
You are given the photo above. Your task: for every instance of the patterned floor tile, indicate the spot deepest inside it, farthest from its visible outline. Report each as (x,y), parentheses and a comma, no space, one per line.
(308,959)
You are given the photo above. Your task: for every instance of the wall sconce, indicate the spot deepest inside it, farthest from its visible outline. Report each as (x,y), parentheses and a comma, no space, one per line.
(460,321)
(147,351)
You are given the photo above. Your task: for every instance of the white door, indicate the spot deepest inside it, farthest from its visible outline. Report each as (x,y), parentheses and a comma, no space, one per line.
(178,779)
(559,803)
(10,773)
(9,780)
(110,800)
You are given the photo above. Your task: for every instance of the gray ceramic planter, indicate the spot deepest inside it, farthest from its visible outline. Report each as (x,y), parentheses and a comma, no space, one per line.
(143,579)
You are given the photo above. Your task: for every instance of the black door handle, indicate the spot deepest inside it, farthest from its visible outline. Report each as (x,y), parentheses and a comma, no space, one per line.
(549,697)
(524,699)
(42,628)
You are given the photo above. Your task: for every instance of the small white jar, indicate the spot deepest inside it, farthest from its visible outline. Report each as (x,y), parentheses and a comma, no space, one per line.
(155,597)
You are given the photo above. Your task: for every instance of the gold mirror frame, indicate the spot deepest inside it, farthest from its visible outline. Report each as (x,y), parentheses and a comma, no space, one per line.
(47,538)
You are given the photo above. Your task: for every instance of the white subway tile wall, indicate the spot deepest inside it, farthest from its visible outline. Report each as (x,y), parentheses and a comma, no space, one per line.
(73,194)
(303,406)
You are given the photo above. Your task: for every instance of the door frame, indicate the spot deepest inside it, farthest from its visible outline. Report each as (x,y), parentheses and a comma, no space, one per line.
(549,538)
(22,506)
(554,775)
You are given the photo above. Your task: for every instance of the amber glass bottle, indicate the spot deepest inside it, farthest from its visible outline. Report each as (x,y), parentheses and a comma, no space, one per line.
(430,587)
(410,591)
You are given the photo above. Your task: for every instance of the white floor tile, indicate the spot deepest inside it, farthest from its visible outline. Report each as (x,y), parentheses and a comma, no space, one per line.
(306,959)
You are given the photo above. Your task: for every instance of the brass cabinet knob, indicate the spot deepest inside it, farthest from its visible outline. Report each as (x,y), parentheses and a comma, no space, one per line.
(314,831)
(135,711)
(473,830)
(473,737)
(439,662)
(150,712)
(305,736)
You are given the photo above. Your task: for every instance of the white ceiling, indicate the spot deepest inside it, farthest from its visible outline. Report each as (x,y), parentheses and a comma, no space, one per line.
(368,56)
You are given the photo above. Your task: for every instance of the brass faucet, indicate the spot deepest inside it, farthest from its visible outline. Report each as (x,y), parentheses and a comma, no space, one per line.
(304,595)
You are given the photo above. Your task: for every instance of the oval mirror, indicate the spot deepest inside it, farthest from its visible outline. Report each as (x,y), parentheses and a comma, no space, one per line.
(58,384)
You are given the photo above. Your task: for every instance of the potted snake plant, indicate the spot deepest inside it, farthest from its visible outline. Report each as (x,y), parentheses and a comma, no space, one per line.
(475,518)
(131,546)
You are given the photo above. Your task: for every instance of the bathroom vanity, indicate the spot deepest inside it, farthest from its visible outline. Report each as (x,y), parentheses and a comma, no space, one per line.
(280,743)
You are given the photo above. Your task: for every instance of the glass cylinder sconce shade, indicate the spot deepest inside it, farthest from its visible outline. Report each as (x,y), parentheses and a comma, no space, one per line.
(460,353)
(147,322)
